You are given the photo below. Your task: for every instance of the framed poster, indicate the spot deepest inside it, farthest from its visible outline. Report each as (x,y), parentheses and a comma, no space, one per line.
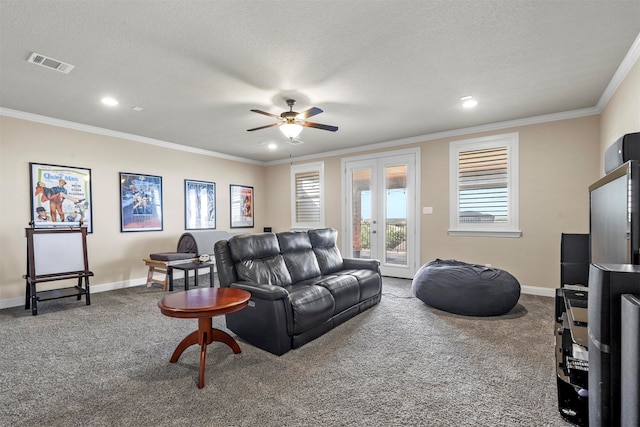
(241,199)
(140,202)
(61,194)
(199,205)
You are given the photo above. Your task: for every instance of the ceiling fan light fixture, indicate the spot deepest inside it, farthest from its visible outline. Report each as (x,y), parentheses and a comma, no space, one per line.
(291,130)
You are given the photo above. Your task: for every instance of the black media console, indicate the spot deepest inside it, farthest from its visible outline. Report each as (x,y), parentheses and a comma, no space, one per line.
(572,366)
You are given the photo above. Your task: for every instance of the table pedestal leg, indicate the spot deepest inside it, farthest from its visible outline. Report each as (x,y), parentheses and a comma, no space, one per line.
(204,336)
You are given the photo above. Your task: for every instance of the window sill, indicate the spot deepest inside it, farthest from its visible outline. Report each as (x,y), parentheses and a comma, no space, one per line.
(306,228)
(486,233)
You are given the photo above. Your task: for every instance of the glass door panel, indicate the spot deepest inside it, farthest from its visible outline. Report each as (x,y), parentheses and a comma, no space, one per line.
(395,221)
(361,206)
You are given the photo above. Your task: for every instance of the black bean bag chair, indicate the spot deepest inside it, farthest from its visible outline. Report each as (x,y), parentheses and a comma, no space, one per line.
(466,289)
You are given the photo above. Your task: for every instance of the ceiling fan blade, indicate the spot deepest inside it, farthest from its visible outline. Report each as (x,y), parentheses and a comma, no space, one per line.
(310,112)
(265,113)
(264,127)
(320,126)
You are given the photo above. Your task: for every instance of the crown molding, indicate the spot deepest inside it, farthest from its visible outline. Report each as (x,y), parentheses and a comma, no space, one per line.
(448,134)
(389,144)
(625,66)
(122,135)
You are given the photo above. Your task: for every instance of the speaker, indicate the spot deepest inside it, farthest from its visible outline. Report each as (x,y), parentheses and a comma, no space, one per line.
(630,370)
(624,149)
(574,259)
(607,283)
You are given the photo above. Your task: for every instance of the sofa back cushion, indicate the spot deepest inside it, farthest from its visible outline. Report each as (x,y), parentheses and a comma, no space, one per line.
(327,253)
(268,271)
(257,259)
(298,254)
(252,246)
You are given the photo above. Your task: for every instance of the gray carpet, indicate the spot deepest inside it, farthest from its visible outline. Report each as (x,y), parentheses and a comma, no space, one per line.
(399,363)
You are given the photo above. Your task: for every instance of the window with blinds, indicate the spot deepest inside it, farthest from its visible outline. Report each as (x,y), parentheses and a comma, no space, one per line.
(484,186)
(307,198)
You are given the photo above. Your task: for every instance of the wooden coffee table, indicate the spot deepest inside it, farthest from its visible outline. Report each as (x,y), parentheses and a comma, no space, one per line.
(203,304)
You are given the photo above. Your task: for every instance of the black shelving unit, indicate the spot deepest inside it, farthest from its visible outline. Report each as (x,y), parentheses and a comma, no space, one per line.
(572,368)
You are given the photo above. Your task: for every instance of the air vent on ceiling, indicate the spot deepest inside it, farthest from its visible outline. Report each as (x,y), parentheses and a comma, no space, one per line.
(51,63)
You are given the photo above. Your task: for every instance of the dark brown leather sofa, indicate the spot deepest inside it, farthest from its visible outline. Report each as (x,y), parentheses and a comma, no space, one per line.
(300,286)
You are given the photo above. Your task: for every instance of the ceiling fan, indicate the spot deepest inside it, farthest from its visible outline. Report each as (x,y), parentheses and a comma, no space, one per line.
(292,122)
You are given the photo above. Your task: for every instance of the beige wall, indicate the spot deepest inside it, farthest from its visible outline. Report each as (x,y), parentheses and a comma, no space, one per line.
(622,113)
(558,161)
(114,257)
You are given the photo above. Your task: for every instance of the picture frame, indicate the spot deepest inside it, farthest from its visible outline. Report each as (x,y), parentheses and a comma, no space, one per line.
(199,205)
(61,195)
(140,202)
(241,200)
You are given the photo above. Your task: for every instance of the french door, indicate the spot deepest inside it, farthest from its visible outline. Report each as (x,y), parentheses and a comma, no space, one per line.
(380,217)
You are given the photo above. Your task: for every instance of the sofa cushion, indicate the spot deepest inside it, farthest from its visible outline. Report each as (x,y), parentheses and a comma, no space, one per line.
(252,246)
(298,255)
(311,305)
(344,289)
(368,280)
(323,237)
(327,253)
(329,259)
(292,241)
(172,256)
(302,265)
(268,271)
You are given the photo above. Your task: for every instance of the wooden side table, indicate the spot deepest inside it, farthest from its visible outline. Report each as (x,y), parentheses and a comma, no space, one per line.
(156,266)
(203,304)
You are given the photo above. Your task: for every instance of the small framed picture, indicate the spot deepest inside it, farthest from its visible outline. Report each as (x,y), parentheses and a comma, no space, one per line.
(140,202)
(241,199)
(61,195)
(199,205)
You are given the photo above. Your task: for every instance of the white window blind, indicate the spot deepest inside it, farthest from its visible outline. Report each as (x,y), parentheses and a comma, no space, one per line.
(483,189)
(307,197)
(484,186)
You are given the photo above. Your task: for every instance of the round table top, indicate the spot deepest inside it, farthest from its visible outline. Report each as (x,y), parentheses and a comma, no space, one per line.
(204,302)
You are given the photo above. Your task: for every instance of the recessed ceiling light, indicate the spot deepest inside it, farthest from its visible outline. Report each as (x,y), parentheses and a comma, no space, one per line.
(111,102)
(468,102)
(272,146)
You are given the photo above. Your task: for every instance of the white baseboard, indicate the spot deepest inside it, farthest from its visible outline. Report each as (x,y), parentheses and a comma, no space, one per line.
(103,287)
(537,290)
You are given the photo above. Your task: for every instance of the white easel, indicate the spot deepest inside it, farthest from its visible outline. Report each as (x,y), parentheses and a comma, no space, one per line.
(57,253)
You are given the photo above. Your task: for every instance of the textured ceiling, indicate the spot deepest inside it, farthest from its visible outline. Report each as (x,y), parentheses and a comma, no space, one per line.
(380,70)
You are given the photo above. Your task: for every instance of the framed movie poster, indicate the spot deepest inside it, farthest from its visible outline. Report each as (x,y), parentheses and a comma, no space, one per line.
(241,198)
(61,195)
(199,205)
(140,202)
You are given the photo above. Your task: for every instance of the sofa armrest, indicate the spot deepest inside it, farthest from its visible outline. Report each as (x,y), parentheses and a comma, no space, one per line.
(261,291)
(361,264)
